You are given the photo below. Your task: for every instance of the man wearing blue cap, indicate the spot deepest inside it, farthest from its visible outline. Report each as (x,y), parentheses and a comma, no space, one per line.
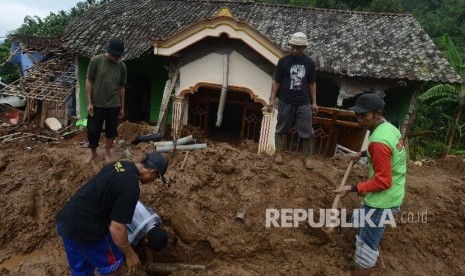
(384,191)
(93,222)
(105,92)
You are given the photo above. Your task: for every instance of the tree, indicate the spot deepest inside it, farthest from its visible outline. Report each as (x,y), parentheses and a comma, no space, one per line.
(447,93)
(8,71)
(392,6)
(54,24)
(30,26)
(305,3)
(329,4)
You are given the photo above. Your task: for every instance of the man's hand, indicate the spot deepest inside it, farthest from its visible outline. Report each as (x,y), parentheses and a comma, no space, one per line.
(90,109)
(315,108)
(343,191)
(119,235)
(271,104)
(133,263)
(121,113)
(274,94)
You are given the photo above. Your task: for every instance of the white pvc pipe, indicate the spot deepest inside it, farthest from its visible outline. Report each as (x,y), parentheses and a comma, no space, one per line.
(224,90)
(181,141)
(181,147)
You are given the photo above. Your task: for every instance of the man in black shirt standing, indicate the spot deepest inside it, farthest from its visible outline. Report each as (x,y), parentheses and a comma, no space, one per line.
(93,222)
(294,85)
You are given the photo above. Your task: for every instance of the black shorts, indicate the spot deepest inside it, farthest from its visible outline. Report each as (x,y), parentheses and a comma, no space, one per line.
(95,124)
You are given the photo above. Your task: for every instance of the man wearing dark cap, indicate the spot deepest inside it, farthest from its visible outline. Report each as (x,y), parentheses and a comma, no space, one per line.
(93,222)
(105,92)
(384,192)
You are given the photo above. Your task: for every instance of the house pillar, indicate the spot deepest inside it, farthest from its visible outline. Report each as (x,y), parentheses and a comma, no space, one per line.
(77,91)
(177,116)
(263,144)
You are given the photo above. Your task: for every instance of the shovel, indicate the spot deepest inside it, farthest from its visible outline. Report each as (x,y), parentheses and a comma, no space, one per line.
(325,234)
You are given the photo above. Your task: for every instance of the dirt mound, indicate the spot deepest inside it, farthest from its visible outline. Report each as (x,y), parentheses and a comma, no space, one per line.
(200,206)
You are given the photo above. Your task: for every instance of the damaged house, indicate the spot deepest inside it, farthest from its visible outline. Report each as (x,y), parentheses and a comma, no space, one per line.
(47,79)
(215,60)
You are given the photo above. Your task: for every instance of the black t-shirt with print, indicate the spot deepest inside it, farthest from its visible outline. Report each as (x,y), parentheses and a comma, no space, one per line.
(112,194)
(294,74)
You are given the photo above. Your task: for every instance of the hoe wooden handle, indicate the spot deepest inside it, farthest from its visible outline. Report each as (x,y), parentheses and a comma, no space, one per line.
(338,196)
(343,182)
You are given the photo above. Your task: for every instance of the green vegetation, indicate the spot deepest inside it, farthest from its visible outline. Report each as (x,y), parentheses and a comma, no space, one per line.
(54,25)
(8,72)
(451,96)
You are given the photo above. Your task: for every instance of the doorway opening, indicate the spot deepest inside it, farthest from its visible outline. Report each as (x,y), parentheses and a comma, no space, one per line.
(242,116)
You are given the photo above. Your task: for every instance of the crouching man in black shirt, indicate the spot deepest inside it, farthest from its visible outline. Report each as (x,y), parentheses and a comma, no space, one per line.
(93,222)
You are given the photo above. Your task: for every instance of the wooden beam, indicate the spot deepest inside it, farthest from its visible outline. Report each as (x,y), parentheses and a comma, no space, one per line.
(165,101)
(44,113)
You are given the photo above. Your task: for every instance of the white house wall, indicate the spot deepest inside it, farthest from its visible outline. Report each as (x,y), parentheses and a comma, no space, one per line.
(242,73)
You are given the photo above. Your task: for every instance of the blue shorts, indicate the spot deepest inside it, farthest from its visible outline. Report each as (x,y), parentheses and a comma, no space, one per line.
(85,258)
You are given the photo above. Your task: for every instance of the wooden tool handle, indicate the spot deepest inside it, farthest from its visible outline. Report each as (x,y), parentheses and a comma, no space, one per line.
(343,182)
(338,196)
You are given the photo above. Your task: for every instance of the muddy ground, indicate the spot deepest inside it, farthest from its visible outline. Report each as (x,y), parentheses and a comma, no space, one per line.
(199,209)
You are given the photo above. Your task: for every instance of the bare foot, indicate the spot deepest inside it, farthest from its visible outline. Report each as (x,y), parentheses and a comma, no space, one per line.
(107,158)
(91,157)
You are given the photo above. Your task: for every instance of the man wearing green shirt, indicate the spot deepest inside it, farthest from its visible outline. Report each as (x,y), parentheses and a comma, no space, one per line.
(105,91)
(384,192)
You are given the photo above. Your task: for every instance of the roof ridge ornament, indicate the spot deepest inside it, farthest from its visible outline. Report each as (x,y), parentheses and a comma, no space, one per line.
(224,11)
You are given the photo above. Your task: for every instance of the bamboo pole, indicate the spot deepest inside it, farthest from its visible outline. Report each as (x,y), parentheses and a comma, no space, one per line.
(167,268)
(10,135)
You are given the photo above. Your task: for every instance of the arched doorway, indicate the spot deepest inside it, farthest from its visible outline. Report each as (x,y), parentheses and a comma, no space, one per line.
(242,116)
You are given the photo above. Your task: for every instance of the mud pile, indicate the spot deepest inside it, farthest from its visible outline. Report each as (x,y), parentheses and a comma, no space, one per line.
(200,206)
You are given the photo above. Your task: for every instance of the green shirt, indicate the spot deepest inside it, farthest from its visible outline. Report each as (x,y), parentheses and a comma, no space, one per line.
(389,135)
(107,76)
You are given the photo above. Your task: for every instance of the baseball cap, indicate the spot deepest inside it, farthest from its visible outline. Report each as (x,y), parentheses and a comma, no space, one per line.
(115,47)
(156,161)
(368,102)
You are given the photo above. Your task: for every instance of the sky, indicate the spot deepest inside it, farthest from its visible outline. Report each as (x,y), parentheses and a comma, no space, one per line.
(12,12)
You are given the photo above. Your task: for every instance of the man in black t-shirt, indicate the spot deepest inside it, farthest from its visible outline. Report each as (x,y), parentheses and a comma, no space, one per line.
(93,222)
(294,85)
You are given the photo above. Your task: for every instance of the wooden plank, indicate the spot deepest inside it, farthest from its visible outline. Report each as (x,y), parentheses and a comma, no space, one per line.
(164,105)
(20,137)
(331,143)
(42,136)
(338,122)
(27,110)
(44,113)
(65,122)
(9,135)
